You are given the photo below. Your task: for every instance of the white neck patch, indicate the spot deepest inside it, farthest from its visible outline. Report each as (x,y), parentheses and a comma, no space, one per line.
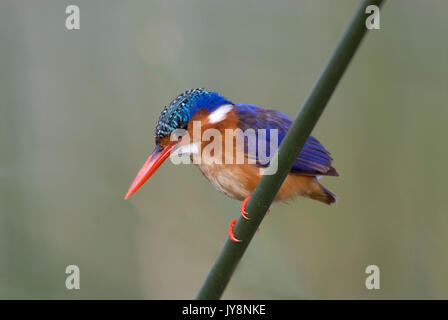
(220,113)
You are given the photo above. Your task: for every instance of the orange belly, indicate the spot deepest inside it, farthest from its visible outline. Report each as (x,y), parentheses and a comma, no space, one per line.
(239,181)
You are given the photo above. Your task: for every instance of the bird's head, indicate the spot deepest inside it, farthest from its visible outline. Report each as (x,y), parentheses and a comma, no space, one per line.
(175,117)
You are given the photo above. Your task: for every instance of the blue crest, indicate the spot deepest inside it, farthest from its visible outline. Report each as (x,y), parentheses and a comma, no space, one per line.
(183,108)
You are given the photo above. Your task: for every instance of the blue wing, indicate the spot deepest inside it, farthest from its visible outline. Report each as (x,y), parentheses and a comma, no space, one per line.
(314,159)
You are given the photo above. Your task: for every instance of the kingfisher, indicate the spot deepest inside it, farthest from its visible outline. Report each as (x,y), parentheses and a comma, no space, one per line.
(199,120)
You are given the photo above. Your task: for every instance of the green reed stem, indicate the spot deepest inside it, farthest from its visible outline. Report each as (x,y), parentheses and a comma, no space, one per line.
(266,190)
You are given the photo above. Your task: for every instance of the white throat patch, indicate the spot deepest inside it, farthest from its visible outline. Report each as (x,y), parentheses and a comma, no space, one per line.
(188,149)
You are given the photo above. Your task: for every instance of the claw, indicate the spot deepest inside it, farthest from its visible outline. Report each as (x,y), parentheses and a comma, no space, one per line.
(243,211)
(231,234)
(244,214)
(243,208)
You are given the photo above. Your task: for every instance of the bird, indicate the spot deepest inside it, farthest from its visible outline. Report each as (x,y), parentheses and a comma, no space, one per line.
(181,129)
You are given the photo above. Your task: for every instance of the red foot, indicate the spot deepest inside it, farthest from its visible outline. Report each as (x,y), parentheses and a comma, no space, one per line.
(231,234)
(243,208)
(244,214)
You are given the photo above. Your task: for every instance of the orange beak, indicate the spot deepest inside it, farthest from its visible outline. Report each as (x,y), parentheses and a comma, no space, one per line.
(153,162)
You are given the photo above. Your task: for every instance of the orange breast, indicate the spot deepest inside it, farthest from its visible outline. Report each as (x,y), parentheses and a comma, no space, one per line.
(238,181)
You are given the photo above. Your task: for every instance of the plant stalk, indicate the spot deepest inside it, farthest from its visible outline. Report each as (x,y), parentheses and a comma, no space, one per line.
(266,190)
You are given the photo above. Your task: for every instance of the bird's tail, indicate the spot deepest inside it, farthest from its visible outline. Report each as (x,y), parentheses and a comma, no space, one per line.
(322,194)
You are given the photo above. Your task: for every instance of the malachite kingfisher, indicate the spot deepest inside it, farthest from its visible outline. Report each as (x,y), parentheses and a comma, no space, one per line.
(197,124)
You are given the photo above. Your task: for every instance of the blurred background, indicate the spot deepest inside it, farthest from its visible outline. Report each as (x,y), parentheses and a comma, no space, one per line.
(78,109)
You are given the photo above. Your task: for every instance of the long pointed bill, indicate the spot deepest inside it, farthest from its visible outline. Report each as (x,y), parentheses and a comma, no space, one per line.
(154,161)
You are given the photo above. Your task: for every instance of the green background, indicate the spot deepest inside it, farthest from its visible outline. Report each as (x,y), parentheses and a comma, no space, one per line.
(77,113)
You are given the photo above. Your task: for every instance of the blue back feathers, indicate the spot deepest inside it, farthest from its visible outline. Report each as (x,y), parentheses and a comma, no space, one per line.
(313,159)
(182,109)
